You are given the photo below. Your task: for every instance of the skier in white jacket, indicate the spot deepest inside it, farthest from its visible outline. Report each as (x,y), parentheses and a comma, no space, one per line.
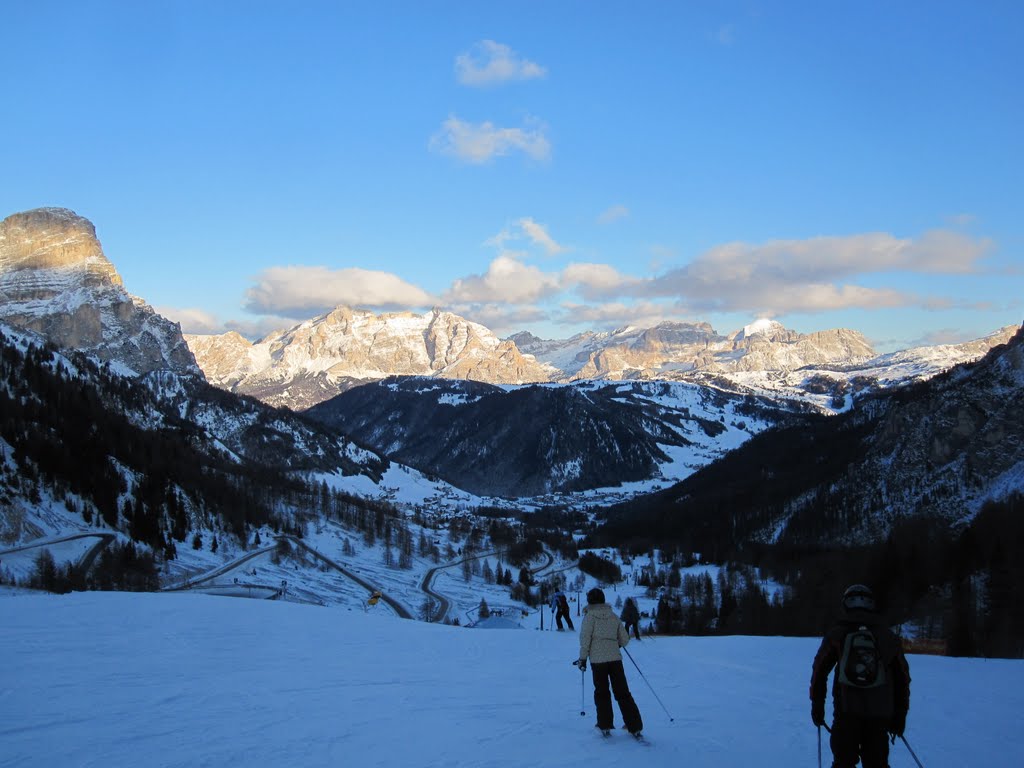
(601,636)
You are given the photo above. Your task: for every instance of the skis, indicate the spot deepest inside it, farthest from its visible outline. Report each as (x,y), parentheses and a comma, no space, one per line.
(638,737)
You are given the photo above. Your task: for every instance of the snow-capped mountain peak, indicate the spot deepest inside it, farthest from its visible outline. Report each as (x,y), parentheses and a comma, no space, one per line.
(763,326)
(56,281)
(307,363)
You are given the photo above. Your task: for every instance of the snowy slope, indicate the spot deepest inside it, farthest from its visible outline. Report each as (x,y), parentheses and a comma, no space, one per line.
(179,681)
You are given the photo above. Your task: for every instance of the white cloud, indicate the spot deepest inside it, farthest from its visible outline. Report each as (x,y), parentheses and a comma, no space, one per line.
(507,279)
(479,143)
(502,319)
(812,275)
(192,319)
(527,228)
(833,257)
(538,233)
(613,314)
(301,291)
(946,336)
(614,213)
(595,281)
(490,63)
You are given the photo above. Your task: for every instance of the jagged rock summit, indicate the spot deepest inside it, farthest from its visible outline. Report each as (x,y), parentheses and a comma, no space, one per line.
(669,350)
(55,281)
(314,360)
(322,357)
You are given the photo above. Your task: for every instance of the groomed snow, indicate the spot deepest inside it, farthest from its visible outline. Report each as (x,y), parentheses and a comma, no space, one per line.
(112,680)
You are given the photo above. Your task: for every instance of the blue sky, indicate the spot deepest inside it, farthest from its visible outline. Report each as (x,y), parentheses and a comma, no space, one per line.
(548,166)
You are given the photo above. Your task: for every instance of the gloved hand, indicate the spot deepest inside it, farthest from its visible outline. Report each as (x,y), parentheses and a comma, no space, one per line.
(818,712)
(898,724)
(582,664)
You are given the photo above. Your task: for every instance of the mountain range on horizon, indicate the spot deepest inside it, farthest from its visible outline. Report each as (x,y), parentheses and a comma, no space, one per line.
(326,355)
(56,281)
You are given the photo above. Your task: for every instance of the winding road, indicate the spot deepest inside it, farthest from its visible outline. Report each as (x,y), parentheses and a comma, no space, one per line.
(426,584)
(86,560)
(444,604)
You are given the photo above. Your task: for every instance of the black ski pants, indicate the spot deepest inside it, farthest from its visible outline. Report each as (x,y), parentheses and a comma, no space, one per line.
(636,628)
(856,737)
(563,614)
(613,672)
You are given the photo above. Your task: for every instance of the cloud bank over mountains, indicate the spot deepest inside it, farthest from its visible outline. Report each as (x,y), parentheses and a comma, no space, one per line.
(534,278)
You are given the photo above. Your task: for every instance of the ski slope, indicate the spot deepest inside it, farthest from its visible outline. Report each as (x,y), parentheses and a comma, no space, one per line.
(176,680)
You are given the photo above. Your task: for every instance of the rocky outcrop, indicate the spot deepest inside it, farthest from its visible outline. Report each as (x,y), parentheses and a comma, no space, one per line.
(55,281)
(681,347)
(319,358)
(789,351)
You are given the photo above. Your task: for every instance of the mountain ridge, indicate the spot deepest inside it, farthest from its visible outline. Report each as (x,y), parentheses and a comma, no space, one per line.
(321,357)
(56,281)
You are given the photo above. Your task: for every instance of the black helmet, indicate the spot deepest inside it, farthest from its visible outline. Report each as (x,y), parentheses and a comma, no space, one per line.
(595,596)
(858,598)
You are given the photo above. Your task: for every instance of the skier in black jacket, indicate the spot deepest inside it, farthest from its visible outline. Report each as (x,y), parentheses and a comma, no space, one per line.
(871,686)
(631,617)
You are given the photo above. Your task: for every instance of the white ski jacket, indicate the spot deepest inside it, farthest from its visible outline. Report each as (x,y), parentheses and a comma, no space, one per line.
(601,635)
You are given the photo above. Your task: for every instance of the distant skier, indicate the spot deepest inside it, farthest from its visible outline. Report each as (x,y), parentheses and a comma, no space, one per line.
(871,686)
(560,607)
(601,636)
(631,617)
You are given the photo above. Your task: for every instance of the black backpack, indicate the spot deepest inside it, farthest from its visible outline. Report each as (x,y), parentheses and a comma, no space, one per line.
(861,664)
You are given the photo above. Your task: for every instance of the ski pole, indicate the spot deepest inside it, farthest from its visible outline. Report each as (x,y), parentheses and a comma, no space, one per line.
(670,718)
(582,683)
(819,746)
(904,739)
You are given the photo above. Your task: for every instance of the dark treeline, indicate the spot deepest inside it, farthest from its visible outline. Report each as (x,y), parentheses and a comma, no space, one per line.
(600,568)
(70,432)
(957,589)
(121,566)
(76,434)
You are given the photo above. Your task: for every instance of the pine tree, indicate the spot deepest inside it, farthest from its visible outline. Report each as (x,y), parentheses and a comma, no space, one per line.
(426,610)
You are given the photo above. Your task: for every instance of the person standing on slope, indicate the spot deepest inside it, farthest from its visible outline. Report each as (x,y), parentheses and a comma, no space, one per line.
(560,608)
(871,686)
(631,617)
(601,636)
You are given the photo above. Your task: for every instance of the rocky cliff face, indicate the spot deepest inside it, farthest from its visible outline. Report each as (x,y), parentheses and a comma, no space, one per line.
(56,281)
(671,349)
(317,359)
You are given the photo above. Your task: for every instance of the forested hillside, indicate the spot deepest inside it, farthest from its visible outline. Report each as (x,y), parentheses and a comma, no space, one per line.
(917,492)
(107,449)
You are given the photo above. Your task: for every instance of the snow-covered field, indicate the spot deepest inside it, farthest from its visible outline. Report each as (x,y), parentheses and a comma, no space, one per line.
(191,680)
